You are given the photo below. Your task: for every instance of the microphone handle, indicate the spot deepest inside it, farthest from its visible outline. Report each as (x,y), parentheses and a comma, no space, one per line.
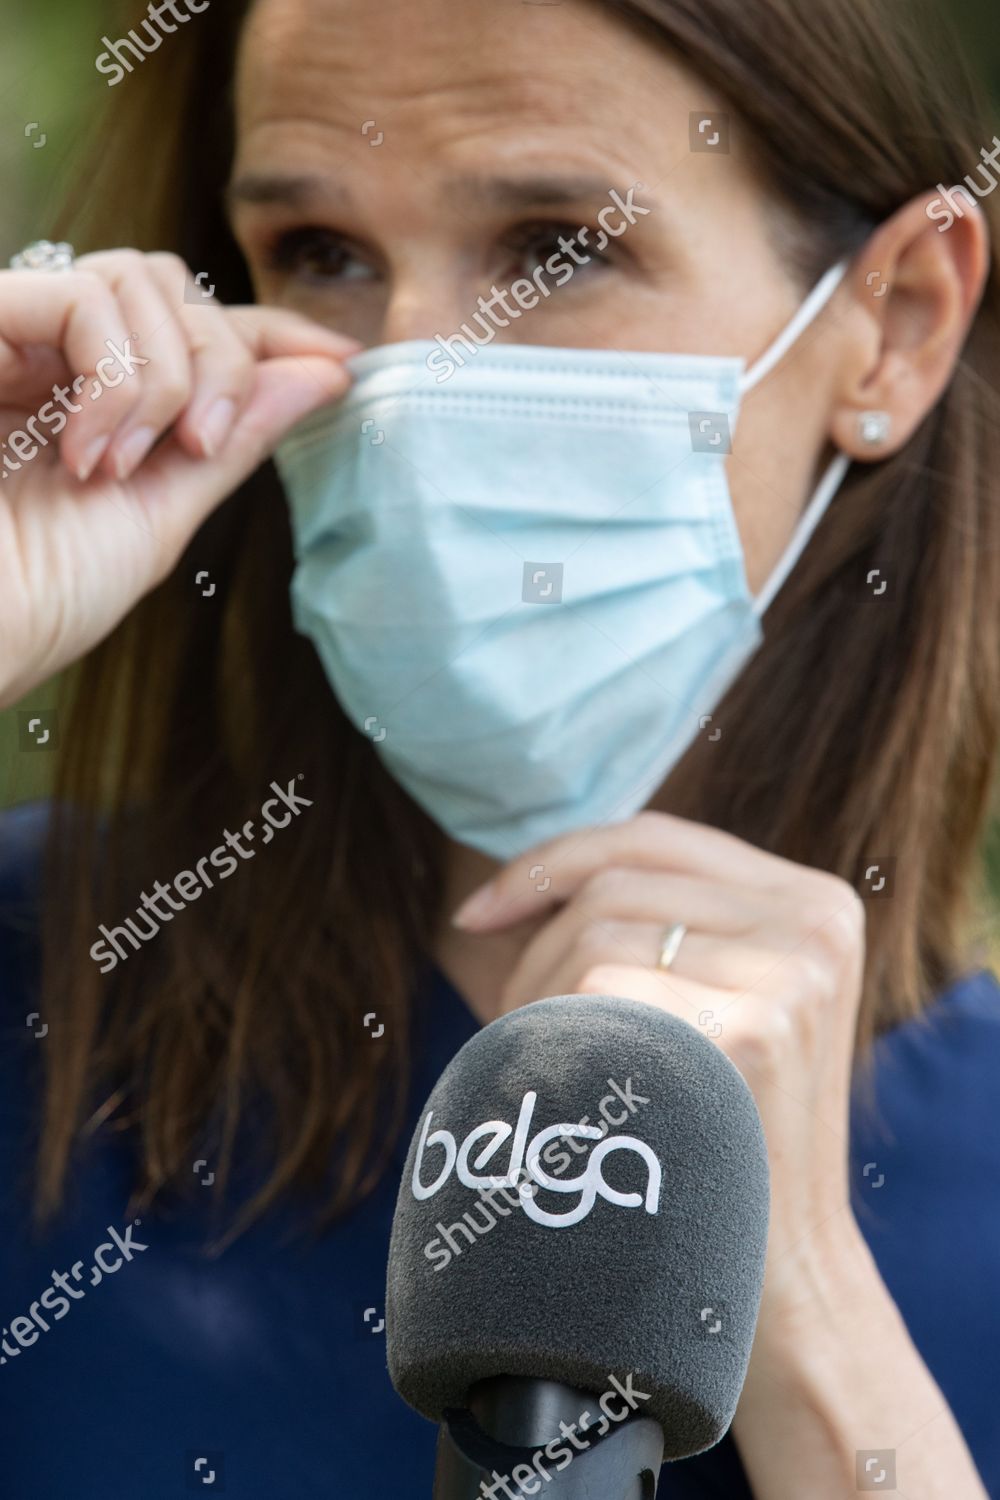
(512,1420)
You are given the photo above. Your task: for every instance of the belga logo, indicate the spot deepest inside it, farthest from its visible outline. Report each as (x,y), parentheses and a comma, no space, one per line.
(524,1152)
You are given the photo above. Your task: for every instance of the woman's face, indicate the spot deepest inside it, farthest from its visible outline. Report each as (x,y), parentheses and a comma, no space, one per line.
(396,162)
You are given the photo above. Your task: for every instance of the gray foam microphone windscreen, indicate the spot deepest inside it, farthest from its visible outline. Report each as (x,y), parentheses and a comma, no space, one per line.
(633,1247)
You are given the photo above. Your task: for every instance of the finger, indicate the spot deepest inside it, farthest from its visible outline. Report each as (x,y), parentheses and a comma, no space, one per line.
(31,374)
(791,1060)
(222,366)
(551,872)
(161,387)
(620,899)
(700,1005)
(76,313)
(271,332)
(724,962)
(714,905)
(177,491)
(685,998)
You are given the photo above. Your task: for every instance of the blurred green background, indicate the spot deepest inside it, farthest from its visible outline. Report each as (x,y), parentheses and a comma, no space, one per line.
(49,88)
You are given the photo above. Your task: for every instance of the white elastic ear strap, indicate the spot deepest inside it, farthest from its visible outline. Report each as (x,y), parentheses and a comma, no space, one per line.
(810,519)
(837,470)
(807,313)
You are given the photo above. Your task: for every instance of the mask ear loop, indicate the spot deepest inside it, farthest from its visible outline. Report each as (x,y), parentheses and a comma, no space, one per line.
(793,331)
(836,472)
(814,512)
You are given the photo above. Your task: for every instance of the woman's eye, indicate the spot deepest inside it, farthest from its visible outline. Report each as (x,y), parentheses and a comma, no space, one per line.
(534,244)
(318,255)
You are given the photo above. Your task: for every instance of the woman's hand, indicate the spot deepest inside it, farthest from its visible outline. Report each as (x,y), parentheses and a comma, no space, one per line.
(130,407)
(771,968)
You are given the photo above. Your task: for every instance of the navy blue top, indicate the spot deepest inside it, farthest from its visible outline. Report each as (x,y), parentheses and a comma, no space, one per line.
(262,1373)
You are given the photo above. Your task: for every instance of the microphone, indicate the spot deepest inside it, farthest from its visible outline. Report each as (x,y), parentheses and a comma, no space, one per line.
(577,1253)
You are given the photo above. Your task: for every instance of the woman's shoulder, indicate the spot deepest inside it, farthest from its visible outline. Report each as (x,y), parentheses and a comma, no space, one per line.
(957,1035)
(927,1103)
(925,1160)
(974,996)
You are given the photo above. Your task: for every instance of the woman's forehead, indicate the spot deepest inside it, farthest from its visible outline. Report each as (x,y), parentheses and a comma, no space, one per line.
(480,90)
(571,62)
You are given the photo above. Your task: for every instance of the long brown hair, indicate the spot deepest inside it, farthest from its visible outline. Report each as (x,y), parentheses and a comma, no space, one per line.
(859,734)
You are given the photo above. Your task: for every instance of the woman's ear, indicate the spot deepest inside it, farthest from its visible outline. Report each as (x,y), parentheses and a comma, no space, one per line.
(916,288)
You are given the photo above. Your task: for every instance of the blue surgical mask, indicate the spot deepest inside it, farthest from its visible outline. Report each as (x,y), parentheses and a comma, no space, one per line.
(524,580)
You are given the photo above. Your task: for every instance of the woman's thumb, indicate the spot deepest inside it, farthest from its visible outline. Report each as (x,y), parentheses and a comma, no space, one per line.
(179,491)
(287,390)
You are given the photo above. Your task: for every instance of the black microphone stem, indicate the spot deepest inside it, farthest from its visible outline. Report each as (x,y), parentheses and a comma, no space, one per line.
(515,1423)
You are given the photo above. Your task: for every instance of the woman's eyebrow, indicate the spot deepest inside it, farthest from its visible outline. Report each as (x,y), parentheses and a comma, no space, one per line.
(298,191)
(284,189)
(548,189)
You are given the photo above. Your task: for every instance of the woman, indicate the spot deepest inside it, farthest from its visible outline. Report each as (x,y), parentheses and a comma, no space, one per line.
(264,928)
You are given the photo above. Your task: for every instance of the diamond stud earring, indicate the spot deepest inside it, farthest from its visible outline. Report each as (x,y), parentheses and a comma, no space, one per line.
(873,427)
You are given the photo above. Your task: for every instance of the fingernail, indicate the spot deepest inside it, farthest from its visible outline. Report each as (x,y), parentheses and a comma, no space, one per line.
(216,425)
(476,906)
(133,450)
(91,457)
